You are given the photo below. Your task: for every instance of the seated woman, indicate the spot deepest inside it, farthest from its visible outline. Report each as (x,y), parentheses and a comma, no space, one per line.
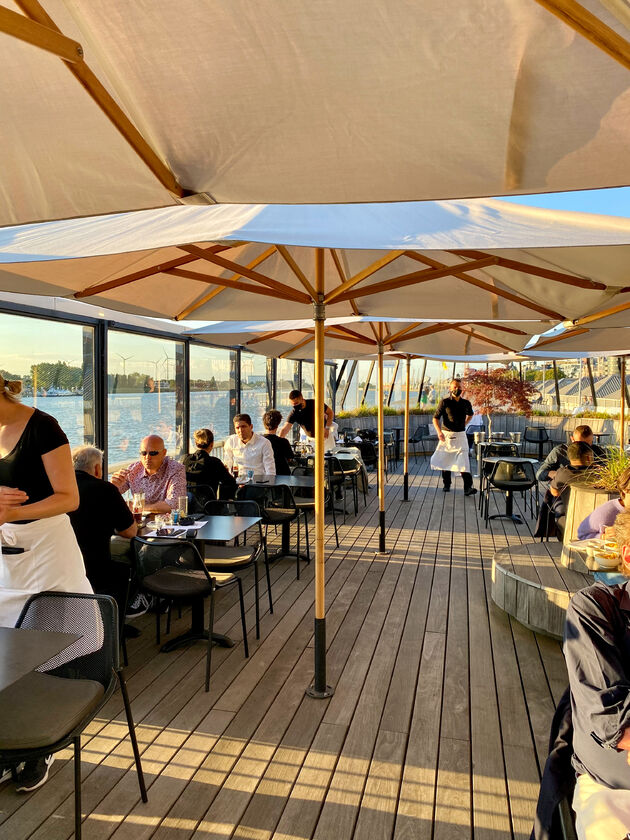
(604,516)
(203,468)
(282,450)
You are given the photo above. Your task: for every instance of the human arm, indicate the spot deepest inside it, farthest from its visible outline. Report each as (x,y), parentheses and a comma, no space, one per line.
(65,496)
(329,417)
(436,420)
(284,431)
(598,520)
(595,632)
(175,489)
(12,496)
(269,462)
(549,466)
(228,454)
(124,524)
(120,480)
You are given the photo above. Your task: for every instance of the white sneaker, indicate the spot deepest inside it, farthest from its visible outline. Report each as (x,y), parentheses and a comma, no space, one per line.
(138,606)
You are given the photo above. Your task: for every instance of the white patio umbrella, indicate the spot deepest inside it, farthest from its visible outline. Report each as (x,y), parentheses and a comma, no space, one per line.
(111,106)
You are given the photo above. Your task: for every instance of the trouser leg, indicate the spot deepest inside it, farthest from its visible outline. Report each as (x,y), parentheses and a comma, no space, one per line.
(468,482)
(446,478)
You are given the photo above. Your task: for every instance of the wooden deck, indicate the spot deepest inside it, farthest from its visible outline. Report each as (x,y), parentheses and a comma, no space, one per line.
(437,729)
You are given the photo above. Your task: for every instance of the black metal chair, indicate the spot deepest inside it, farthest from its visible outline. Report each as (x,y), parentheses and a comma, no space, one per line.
(48,709)
(305,498)
(492,450)
(174,569)
(509,477)
(538,436)
(277,507)
(420,435)
(227,558)
(198,496)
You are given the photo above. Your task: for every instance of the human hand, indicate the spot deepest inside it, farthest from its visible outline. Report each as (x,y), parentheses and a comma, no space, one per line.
(441,437)
(119,478)
(4,513)
(12,497)
(624,744)
(552,473)
(326,431)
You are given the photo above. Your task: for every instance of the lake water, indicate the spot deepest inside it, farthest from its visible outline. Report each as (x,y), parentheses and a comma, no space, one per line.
(132,416)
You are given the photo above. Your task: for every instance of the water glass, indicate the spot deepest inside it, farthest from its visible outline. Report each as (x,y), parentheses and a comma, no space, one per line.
(250,475)
(174,516)
(182,505)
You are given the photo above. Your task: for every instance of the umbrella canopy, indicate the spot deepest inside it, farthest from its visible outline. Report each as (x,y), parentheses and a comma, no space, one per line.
(355,338)
(581,343)
(128,105)
(482,261)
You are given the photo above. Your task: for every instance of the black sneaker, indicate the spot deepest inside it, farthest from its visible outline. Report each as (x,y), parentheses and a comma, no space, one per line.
(446,489)
(470,492)
(34,774)
(138,606)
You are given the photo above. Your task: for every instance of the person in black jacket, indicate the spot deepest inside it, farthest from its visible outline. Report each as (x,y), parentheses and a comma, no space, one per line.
(203,468)
(282,450)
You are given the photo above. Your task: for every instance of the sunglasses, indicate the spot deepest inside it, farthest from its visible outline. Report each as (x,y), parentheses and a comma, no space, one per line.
(151,452)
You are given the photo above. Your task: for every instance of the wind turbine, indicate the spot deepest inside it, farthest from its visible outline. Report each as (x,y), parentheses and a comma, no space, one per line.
(125,359)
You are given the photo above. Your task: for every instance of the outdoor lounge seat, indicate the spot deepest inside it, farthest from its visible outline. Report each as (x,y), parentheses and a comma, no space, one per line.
(48,709)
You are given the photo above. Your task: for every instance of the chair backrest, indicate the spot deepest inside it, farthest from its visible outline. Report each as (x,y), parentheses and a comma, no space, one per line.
(494,450)
(198,495)
(268,496)
(535,434)
(420,432)
(368,452)
(154,553)
(241,507)
(520,472)
(95,655)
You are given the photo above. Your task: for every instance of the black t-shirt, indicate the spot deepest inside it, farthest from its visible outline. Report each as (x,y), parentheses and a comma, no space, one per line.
(101,512)
(203,468)
(23,466)
(305,417)
(453,413)
(282,453)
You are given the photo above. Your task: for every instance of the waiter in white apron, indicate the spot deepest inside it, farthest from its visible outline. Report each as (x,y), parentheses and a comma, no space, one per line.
(451,455)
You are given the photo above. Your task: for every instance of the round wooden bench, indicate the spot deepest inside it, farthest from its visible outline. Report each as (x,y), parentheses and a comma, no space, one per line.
(530,583)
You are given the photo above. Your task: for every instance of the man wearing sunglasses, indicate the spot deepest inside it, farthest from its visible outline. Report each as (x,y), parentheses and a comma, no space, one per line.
(160,478)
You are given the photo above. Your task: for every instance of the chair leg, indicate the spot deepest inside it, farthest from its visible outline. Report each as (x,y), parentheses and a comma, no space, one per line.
(334,516)
(268,581)
(257,596)
(157,624)
(308,545)
(297,553)
(168,618)
(242,600)
(132,735)
(210,627)
(77,787)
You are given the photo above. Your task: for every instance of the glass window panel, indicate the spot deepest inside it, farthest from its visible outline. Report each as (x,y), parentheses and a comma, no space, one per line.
(286,381)
(255,398)
(308,380)
(145,392)
(212,391)
(59,381)
(329,385)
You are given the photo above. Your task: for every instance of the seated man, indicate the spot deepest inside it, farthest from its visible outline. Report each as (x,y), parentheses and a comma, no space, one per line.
(604,516)
(580,457)
(161,479)
(282,450)
(247,449)
(597,653)
(558,456)
(102,512)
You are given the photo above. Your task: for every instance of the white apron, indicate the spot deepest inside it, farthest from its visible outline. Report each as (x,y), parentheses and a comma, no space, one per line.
(452,453)
(51,560)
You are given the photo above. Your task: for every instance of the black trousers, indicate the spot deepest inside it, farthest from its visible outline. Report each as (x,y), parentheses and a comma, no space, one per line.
(446,478)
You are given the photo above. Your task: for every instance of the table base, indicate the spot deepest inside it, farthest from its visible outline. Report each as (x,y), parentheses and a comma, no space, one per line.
(196,636)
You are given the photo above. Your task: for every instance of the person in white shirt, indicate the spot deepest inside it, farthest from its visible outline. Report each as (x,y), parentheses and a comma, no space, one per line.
(247,449)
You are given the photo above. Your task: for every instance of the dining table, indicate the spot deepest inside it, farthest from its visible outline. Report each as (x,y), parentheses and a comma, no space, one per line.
(23,650)
(214,529)
(498,442)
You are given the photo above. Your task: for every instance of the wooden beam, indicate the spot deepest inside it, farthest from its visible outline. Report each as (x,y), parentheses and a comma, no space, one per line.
(547,273)
(434,328)
(226,282)
(108,105)
(295,268)
(348,332)
(484,338)
(31,32)
(351,338)
(297,346)
(206,298)
(553,339)
(416,277)
(613,310)
(481,284)
(398,335)
(249,273)
(501,327)
(590,27)
(342,277)
(368,271)
(267,336)
(140,275)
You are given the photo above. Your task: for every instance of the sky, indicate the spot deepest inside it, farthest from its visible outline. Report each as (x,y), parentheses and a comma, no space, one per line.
(613,202)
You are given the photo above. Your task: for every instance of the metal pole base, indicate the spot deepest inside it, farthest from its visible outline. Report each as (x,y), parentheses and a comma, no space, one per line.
(406,487)
(319,689)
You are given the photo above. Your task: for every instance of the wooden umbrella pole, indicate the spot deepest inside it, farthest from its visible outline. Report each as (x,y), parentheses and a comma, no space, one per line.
(406,433)
(381,446)
(622,372)
(319,688)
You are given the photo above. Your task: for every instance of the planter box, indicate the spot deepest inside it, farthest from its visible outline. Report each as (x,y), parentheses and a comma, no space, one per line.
(582,501)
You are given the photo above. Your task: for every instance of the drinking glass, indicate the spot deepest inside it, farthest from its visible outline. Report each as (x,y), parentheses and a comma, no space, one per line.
(250,475)
(137,506)
(182,505)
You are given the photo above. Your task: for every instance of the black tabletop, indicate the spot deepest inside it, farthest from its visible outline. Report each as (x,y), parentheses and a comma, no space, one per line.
(21,651)
(225,528)
(287,480)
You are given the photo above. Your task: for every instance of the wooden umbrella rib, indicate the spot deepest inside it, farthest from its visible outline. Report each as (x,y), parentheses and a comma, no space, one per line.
(434,328)
(547,273)
(342,277)
(329,331)
(590,27)
(340,292)
(226,282)
(38,35)
(480,284)
(205,299)
(141,274)
(347,331)
(398,335)
(596,316)
(108,105)
(295,268)
(553,339)
(415,277)
(297,346)
(484,338)
(250,274)
(501,327)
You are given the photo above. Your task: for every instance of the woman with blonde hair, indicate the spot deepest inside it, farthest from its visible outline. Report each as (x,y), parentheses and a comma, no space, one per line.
(203,468)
